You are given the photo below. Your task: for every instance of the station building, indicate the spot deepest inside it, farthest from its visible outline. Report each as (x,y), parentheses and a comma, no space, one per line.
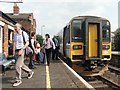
(27,20)
(6,32)
(7,21)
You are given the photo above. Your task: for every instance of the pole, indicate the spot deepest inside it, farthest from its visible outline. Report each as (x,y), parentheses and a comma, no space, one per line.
(42,29)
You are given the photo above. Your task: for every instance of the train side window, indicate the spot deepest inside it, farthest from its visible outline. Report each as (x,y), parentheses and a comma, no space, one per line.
(76,31)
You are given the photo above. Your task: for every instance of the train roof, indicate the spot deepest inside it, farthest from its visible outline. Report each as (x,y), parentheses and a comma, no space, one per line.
(86,17)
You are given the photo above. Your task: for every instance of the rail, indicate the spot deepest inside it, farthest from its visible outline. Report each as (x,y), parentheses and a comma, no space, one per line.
(111,82)
(115,60)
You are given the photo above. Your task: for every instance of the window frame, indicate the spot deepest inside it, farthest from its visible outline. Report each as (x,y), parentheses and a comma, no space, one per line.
(81,35)
(106,27)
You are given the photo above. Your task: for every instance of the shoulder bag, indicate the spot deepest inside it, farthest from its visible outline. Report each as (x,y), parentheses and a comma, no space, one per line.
(28,50)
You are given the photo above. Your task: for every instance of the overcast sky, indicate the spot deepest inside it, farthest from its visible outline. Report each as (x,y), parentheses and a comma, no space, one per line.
(55,14)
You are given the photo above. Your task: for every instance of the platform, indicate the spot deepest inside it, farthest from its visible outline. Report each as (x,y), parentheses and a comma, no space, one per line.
(57,75)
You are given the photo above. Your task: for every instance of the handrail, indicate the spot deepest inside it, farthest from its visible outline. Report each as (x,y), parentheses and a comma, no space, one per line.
(115,52)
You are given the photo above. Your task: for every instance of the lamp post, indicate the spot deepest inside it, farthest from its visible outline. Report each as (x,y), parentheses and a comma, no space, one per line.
(42,29)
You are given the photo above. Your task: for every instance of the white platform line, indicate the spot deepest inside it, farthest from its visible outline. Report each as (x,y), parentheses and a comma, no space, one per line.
(78,76)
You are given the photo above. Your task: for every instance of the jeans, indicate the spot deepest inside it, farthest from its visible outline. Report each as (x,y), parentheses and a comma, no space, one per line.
(41,57)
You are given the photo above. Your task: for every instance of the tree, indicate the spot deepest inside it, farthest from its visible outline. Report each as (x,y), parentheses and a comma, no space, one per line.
(39,38)
(117,40)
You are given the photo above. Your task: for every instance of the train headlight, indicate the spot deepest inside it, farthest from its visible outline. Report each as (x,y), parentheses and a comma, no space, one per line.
(105,52)
(76,47)
(106,47)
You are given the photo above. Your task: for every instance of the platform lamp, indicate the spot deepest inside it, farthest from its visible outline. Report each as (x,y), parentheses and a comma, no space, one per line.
(42,29)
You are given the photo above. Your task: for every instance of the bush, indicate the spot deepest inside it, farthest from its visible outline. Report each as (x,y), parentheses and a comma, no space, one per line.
(117,40)
(39,38)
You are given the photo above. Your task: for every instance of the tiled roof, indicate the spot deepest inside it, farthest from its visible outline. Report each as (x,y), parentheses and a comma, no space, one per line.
(7,17)
(19,16)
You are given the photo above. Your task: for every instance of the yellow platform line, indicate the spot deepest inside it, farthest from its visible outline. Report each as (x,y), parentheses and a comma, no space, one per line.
(48,85)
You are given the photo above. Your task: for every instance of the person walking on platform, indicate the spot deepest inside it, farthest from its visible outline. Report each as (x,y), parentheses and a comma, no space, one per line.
(19,54)
(32,46)
(56,51)
(48,44)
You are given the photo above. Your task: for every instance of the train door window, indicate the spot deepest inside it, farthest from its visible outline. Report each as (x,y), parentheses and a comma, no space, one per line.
(106,31)
(67,35)
(76,31)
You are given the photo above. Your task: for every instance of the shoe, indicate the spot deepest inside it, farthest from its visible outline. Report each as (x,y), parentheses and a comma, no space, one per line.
(17,82)
(32,67)
(48,64)
(57,59)
(42,62)
(38,62)
(30,75)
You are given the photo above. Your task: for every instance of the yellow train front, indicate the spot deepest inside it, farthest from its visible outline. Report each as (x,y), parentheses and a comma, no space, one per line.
(87,44)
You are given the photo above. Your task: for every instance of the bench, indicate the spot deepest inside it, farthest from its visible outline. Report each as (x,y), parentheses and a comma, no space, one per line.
(4,63)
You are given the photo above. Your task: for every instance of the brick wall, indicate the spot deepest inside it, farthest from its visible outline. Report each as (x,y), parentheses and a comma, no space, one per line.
(27,25)
(5,39)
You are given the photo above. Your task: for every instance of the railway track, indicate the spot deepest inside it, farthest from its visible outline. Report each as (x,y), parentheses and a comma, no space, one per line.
(110,80)
(114,69)
(113,76)
(101,83)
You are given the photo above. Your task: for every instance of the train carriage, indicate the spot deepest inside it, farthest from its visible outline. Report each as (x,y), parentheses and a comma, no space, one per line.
(87,44)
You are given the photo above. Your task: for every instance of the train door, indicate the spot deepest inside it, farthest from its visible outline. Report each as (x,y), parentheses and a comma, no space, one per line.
(0,39)
(93,40)
(66,42)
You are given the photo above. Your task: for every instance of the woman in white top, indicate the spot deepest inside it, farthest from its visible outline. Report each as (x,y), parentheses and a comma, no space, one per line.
(48,44)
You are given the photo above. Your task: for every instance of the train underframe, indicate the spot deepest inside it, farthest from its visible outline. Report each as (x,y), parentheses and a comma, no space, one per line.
(88,67)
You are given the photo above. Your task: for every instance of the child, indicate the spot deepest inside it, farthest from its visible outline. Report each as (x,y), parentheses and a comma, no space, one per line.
(38,52)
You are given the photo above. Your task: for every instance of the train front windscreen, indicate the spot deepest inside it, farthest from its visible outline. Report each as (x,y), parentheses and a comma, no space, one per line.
(106,31)
(76,31)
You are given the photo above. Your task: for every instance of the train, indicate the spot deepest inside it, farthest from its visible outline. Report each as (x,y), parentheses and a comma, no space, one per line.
(85,44)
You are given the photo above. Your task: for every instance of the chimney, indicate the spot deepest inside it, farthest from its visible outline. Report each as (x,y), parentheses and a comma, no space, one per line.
(16,9)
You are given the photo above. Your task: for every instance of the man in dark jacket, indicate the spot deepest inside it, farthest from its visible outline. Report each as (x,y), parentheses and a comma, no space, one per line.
(57,47)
